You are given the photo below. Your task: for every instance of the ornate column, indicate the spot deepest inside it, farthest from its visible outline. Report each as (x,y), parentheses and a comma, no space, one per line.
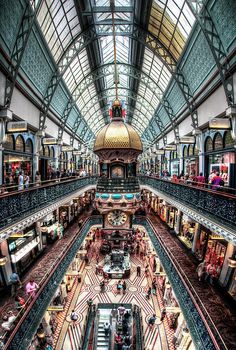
(196,236)
(200,147)
(5,116)
(37,148)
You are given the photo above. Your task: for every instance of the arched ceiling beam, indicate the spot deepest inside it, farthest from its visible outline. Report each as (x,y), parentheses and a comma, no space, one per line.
(203,17)
(138,34)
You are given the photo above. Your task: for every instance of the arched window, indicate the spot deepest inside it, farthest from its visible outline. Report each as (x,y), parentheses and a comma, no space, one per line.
(185,152)
(228,140)
(52,152)
(218,141)
(29,146)
(9,143)
(195,151)
(190,150)
(208,144)
(20,144)
(46,151)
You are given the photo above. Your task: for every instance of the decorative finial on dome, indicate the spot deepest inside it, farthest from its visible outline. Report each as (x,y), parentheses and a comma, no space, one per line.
(117,110)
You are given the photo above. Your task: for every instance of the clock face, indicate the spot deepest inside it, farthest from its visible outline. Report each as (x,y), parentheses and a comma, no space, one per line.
(117,218)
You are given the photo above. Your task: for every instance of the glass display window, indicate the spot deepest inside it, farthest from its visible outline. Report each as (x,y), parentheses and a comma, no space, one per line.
(216,250)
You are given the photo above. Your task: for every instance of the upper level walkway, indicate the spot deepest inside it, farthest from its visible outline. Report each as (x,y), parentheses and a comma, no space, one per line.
(212,208)
(16,206)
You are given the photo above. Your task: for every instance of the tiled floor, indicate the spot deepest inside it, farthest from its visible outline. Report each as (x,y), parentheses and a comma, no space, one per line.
(160,337)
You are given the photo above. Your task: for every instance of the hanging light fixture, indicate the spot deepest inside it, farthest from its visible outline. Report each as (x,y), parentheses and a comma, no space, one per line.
(232,262)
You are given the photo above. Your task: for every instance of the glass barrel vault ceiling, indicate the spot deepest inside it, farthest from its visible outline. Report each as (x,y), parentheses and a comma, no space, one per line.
(170,21)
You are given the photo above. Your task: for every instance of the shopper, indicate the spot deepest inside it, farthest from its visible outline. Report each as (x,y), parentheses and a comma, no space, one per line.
(19,302)
(31,288)
(163,314)
(200,180)
(124,287)
(26,181)
(201,270)
(119,287)
(15,283)
(106,328)
(37,178)
(138,271)
(9,321)
(74,317)
(20,181)
(152,320)
(149,291)
(121,310)
(217,181)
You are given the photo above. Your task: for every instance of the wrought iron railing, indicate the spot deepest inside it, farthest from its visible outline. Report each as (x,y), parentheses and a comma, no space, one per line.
(217,205)
(17,205)
(204,333)
(27,326)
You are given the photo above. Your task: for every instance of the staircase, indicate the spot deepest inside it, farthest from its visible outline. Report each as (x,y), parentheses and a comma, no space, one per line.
(102,340)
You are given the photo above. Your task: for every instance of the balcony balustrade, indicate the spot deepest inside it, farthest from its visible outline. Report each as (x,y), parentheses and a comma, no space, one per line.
(118,185)
(15,206)
(217,205)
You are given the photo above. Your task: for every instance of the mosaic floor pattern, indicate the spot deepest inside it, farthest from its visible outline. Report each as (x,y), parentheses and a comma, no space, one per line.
(159,337)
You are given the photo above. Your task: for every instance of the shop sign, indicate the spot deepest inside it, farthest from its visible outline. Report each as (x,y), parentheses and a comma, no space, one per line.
(159,152)
(49,141)
(77,153)
(55,308)
(66,148)
(17,126)
(187,139)
(170,147)
(219,123)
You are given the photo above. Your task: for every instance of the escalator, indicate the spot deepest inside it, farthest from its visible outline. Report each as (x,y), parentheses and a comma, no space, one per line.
(95,337)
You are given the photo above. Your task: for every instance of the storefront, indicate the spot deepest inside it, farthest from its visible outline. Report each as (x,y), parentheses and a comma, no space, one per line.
(47,162)
(63,162)
(220,156)
(24,247)
(191,160)
(174,163)
(187,231)
(216,250)
(18,156)
(51,228)
(172,216)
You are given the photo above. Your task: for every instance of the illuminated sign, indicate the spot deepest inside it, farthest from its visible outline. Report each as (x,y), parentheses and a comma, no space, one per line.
(159,152)
(49,141)
(77,153)
(55,308)
(66,148)
(187,139)
(16,126)
(219,123)
(170,147)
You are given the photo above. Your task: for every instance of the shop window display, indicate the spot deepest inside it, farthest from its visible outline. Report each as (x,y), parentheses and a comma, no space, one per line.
(201,245)
(215,253)
(228,140)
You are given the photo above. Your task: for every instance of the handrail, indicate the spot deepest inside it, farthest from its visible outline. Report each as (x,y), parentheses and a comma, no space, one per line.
(44,282)
(207,187)
(192,293)
(90,320)
(138,323)
(36,185)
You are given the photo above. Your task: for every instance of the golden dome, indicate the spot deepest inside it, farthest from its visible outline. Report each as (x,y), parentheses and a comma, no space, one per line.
(118,135)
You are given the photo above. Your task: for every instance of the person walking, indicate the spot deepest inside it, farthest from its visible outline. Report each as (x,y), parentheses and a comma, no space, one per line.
(163,314)
(201,270)
(37,178)
(152,321)
(124,287)
(74,317)
(138,271)
(15,283)
(26,181)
